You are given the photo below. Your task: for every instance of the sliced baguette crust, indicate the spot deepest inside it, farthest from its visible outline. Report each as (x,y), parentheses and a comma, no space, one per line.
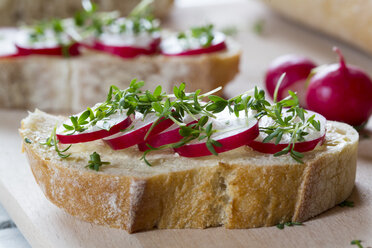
(238,189)
(69,85)
(338,18)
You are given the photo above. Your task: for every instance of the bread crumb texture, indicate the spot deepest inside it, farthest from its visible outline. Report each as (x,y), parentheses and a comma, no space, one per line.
(72,84)
(237,189)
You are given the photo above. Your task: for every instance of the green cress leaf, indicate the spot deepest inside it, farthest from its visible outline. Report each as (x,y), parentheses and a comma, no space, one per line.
(208,130)
(216,143)
(280,226)
(346,203)
(258,26)
(53,141)
(204,35)
(157,91)
(289,223)
(203,120)
(282,152)
(84,116)
(95,162)
(27,140)
(68,127)
(211,148)
(357,242)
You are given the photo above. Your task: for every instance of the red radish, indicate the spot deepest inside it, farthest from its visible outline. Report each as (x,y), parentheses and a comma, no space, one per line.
(120,121)
(72,50)
(233,133)
(173,46)
(211,49)
(127,51)
(341,92)
(169,136)
(313,139)
(137,134)
(296,68)
(271,148)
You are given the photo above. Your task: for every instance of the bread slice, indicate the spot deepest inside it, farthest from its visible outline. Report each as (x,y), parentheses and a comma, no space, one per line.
(70,84)
(237,189)
(333,17)
(93,73)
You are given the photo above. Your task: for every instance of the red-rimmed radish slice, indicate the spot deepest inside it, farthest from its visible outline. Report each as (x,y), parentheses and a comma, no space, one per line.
(169,136)
(137,134)
(233,133)
(211,49)
(312,140)
(173,47)
(127,51)
(271,148)
(116,123)
(71,50)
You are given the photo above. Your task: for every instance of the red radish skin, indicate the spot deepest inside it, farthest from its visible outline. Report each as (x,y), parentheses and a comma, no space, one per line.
(271,148)
(137,136)
(127,51)
(164,138)
(73,50)
(211,49)
(341,92)
(317,138)
(228,143)
(296,68)
(95,135)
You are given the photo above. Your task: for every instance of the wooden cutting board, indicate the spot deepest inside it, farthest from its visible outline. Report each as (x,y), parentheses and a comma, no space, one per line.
(44,225)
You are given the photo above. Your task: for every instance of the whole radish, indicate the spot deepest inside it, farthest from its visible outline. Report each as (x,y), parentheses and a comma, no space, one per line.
(341,92)
(297,70)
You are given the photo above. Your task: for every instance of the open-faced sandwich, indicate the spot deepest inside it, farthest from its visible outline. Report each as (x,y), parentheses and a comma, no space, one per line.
(65,64)
(148,159)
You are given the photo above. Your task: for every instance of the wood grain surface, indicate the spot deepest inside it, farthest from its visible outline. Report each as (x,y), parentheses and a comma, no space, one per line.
(44,225)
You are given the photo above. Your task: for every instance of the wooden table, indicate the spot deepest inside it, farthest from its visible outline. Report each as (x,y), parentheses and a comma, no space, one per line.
(44,225)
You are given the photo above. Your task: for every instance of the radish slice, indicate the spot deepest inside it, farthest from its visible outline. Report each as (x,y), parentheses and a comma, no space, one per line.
(233,133)
(271,148)
(127,51)
(116,123)
(50,44)
(174,47)
(72,50)
(169,136)
(312,140)
(137,134)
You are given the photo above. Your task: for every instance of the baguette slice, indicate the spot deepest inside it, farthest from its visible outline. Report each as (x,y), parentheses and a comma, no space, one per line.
(237,189)
(343,19)
(70,84)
